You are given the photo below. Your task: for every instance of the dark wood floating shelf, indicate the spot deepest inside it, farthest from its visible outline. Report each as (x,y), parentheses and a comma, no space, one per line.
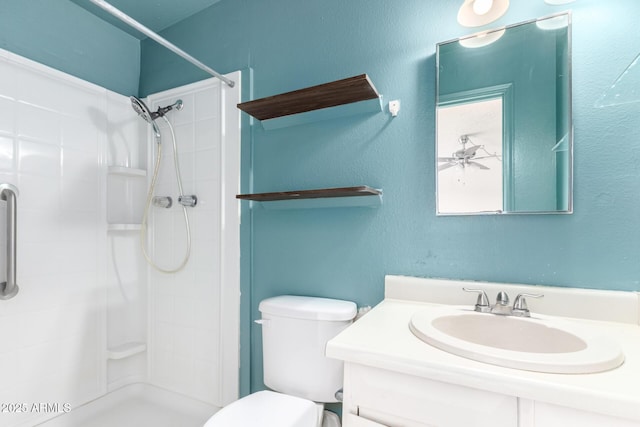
(339,92)
(362,190)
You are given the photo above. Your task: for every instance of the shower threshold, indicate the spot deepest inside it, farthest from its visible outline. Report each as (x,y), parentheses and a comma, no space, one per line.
(137,405)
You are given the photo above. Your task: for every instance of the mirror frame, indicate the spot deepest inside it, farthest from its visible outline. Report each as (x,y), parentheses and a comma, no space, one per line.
(505,92)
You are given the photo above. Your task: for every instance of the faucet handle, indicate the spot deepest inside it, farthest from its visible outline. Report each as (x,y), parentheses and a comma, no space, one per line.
(520,304)
(482,303)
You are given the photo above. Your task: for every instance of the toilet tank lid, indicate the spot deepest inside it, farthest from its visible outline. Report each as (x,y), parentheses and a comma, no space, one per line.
(312,308)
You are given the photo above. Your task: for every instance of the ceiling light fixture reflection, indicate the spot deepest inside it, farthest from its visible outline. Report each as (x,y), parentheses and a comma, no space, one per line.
(481,7)
(481,39)
(476,13)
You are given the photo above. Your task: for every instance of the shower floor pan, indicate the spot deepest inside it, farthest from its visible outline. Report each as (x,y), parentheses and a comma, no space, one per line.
(137,405)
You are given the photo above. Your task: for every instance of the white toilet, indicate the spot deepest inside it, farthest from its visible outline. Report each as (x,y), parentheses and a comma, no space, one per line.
(295,331)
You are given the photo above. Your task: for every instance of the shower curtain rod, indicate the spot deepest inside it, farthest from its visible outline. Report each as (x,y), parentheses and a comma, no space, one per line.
(164,42)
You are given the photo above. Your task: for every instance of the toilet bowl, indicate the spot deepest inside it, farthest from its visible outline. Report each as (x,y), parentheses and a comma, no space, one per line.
(266,409)
(295,330)
(272,409)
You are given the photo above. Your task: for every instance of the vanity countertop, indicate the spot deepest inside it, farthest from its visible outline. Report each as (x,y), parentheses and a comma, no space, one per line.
(382,339)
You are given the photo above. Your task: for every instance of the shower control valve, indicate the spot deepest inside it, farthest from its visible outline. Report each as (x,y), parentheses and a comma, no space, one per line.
(162,202)
(189,200)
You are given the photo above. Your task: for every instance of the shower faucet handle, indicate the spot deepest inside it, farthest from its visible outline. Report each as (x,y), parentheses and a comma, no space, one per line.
(162,201)
(189,200)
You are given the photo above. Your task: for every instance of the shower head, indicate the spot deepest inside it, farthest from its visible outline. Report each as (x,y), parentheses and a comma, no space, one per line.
(149,116)
(141,108)
(143,111)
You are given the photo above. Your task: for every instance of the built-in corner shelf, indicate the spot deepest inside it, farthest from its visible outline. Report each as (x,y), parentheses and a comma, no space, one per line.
(125,171)
(126,350)
(353,95)
(126,189)
(361,196)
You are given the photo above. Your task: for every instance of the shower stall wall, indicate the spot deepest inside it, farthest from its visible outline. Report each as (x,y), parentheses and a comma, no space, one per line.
(53,132)
(90,317)
(192,349)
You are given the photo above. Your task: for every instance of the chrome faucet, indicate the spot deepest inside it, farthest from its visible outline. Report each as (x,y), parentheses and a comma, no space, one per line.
(502,307)
(520,305)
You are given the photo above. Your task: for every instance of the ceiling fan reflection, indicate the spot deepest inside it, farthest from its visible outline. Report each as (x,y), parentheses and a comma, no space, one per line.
(466,156)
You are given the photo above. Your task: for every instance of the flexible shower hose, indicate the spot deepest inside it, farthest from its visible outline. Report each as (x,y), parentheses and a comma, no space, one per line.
(152,186)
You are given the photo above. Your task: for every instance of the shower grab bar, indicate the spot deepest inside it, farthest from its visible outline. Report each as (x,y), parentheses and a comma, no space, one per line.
(9,193)
(161,40)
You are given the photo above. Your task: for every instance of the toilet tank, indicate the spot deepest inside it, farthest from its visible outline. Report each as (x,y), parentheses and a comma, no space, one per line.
(295,331)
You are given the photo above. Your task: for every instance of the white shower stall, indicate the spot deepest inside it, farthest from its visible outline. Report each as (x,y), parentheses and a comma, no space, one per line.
(92,321)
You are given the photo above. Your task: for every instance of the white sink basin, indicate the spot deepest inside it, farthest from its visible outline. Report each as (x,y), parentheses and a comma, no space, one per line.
(535,344)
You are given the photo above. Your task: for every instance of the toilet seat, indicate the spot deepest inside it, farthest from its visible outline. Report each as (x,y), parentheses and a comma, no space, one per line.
(267,409)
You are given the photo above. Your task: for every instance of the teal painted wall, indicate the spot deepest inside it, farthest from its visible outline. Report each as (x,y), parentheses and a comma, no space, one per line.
(66,37)
(345,253)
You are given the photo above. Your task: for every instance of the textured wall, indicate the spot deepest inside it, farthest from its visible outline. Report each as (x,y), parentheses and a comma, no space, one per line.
(64,36)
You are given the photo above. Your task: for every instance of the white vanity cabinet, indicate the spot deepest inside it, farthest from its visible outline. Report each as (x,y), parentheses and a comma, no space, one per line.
(378,397)
(539,414)
(394,379)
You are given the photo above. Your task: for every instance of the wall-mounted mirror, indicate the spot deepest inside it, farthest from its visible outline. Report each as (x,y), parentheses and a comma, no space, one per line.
(503,120)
